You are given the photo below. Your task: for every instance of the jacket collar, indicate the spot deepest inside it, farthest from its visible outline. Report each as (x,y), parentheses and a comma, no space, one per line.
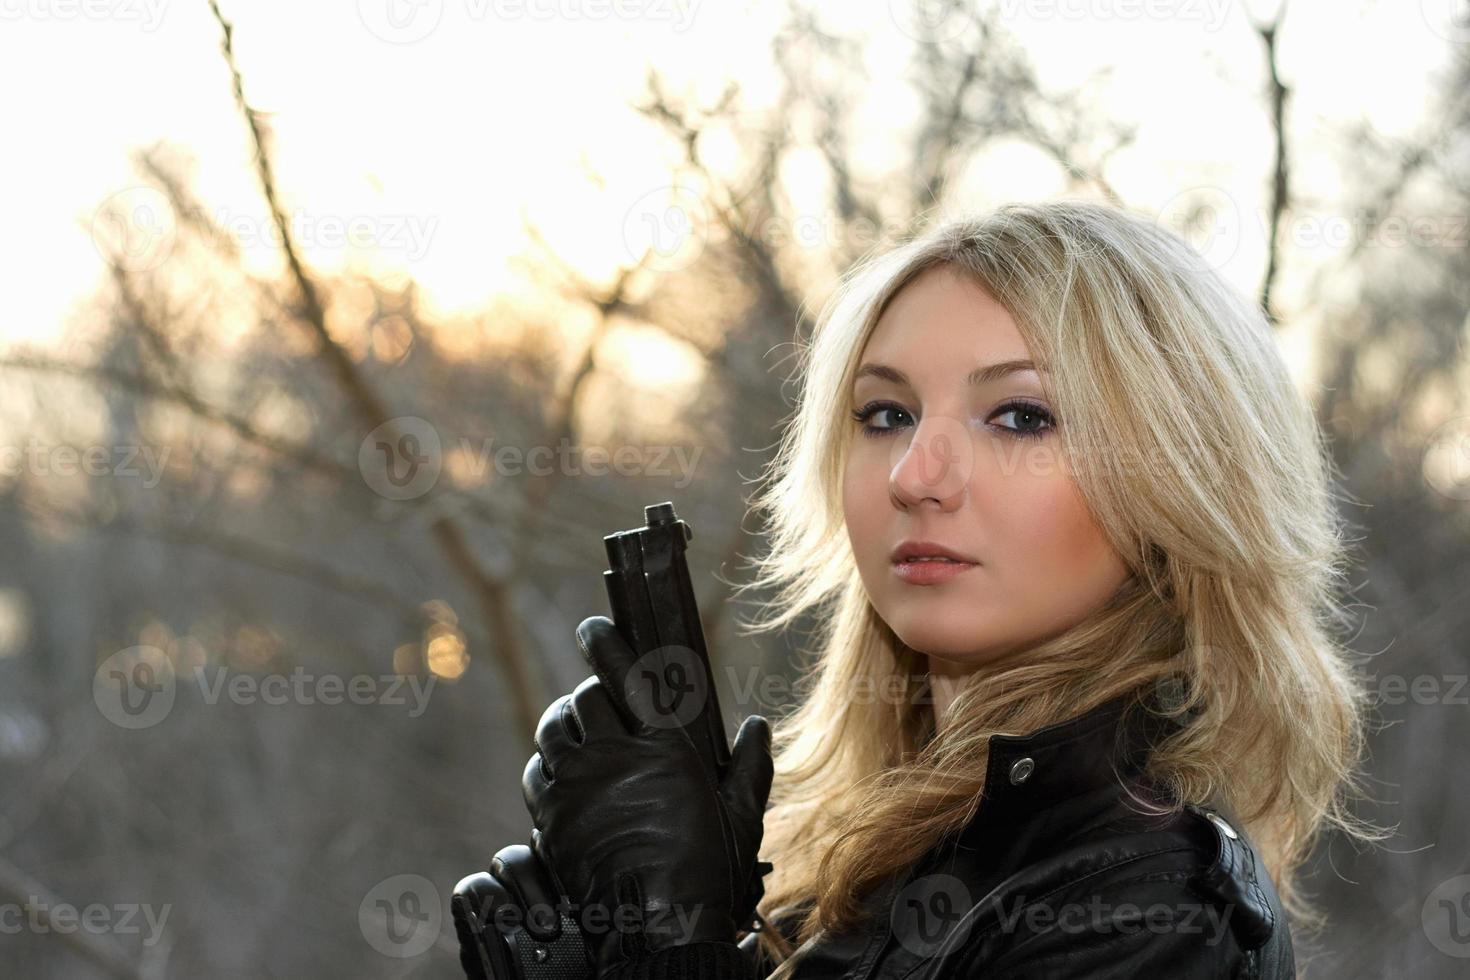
(1062,772)
(1076,772)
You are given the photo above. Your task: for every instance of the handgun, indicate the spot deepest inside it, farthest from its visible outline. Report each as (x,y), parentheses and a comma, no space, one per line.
(653,607)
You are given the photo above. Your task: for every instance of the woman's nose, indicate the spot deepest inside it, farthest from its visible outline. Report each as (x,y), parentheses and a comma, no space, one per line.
(935,464)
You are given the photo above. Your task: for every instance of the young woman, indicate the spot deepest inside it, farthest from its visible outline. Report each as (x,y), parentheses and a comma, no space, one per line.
(1077,708)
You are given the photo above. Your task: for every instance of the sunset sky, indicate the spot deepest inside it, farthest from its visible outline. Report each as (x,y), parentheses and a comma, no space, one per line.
(437,128)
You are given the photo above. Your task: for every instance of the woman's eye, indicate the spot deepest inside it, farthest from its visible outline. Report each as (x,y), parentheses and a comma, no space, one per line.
(894,413)
(1027,420)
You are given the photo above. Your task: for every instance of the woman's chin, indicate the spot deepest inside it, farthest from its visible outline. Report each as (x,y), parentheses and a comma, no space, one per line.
(956,645)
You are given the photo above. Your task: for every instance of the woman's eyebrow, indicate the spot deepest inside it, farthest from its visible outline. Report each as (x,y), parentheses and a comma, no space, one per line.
(979,376)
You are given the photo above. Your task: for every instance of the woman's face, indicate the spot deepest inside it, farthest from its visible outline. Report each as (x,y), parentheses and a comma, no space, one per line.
(973,467)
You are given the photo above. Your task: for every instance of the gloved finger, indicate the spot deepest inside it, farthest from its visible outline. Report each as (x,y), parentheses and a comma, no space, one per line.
(542,850)
(535,788)
(483,951)
(476,898)
(553,738)
(610,657)
(531,887)
(747,784)
(594,712)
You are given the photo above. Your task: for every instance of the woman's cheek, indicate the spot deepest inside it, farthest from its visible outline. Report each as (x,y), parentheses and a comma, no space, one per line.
(1032,517)
(862,495)
(1015,485)
(1081,561)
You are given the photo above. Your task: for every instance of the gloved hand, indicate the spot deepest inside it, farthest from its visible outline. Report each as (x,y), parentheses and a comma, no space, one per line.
(631,824)
(496,912)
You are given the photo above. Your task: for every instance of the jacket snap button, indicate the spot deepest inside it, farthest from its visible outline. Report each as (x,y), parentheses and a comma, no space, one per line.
(1021,770)
(1219,821)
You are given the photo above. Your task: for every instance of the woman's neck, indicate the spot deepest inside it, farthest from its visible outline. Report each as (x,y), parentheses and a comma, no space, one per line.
(945,678)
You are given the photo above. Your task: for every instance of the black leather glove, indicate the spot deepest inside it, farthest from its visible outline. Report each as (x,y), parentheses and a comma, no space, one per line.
(512,924)
(632,826)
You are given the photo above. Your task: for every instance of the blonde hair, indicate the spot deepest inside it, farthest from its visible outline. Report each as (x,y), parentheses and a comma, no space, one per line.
(1205,468)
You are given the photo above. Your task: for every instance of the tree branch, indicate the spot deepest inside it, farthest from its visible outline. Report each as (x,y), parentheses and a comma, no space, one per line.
(491,592)
(1280,187)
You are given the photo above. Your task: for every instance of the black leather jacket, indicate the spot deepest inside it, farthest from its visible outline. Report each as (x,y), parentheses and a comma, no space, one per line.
(1058,877)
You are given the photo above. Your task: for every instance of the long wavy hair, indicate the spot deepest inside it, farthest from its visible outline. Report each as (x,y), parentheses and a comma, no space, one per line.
(1206,469)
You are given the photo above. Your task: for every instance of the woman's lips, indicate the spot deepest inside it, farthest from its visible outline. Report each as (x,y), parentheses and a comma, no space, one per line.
(930,571)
